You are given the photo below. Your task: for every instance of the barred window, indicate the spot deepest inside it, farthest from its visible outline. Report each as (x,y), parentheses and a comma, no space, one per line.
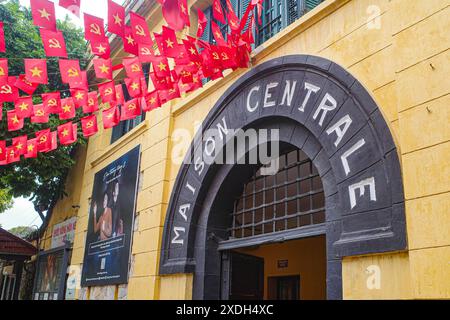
(292,198)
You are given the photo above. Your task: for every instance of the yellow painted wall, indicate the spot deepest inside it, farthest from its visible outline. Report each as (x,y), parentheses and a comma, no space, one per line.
(306,257)
(398,49)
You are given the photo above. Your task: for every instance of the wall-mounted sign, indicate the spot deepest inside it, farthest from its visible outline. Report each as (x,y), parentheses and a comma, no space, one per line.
(111,216)
(282,264)
(63,232)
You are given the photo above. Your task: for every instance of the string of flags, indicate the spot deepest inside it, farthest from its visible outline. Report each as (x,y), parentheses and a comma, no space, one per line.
(177,67)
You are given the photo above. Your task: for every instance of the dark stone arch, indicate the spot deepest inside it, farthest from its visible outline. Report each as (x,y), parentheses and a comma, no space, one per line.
(354,226)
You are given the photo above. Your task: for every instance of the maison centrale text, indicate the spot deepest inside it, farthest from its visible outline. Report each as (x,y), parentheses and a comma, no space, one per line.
(283,95)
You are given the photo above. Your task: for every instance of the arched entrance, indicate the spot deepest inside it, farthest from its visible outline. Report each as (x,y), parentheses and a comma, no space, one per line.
(316,107)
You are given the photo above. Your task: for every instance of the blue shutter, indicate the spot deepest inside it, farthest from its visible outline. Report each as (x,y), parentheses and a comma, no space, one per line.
(207,33)
(311,4)
(243,5)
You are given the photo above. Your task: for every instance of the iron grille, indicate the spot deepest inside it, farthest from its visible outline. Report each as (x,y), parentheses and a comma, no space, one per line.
(292,198)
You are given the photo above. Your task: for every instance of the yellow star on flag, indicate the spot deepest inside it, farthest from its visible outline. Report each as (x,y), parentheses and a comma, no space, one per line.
(15,120)
(44,14)
(67,108)
(101,49)
(162,66)
(104,68)
(152,100)
(79,95)
(169,43)
(134,86)
(19,146)
(23,106)
(30,148)
(65,133)
(130,40)
(192,50)
(36,72)
(117,19)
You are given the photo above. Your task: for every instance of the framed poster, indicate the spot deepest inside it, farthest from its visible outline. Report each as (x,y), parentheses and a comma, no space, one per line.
(111,218)
(64,232)
(50,278)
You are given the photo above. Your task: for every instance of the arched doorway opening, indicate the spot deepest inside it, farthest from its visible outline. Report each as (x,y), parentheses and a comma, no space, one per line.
(291,198)
(318,108)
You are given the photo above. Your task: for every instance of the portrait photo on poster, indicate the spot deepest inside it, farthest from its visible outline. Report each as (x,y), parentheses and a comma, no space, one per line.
(110,224)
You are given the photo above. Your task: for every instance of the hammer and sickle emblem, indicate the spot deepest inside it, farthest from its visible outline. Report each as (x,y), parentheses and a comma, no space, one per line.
(43,139)
(224,56)
(2,71)
(27,82)
(90,124)
(72,72)
(108,92)
(132,106)
(53,43)
(40,113)
(95,29)
(145,51)
(90,102)
(52,103)
(6,89)
(215,56)
(135,68)
(140,31)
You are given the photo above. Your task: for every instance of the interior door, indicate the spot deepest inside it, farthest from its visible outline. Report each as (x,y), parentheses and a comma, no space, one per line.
(242,277)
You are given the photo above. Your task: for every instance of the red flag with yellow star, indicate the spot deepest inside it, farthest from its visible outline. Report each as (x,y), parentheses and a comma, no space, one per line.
(54,44)
(133,87)
(20,144)
(151,101)
(24,107)
(80,97)
(32,149)
(167,42)
(43,13)
(89,125)
(66,133)
(218,34)
(129,43)
(67,109)
(103,68)
(101,48)
(14,121)
(111,117)
(36,70)
(40,114)
(161,67)
(116,18)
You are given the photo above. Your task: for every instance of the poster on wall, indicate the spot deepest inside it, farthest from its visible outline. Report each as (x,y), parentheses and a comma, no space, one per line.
(64,232)
(49,283)
(110,226)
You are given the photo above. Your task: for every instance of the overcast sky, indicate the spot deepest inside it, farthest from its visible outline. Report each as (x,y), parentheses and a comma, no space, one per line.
(23,214)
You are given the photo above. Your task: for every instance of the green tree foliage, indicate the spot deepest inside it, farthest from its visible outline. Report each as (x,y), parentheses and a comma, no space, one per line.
(6,200)
(42,179)
(21,232)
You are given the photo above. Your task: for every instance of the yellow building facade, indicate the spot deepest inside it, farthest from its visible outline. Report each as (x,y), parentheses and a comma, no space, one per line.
(398,50)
